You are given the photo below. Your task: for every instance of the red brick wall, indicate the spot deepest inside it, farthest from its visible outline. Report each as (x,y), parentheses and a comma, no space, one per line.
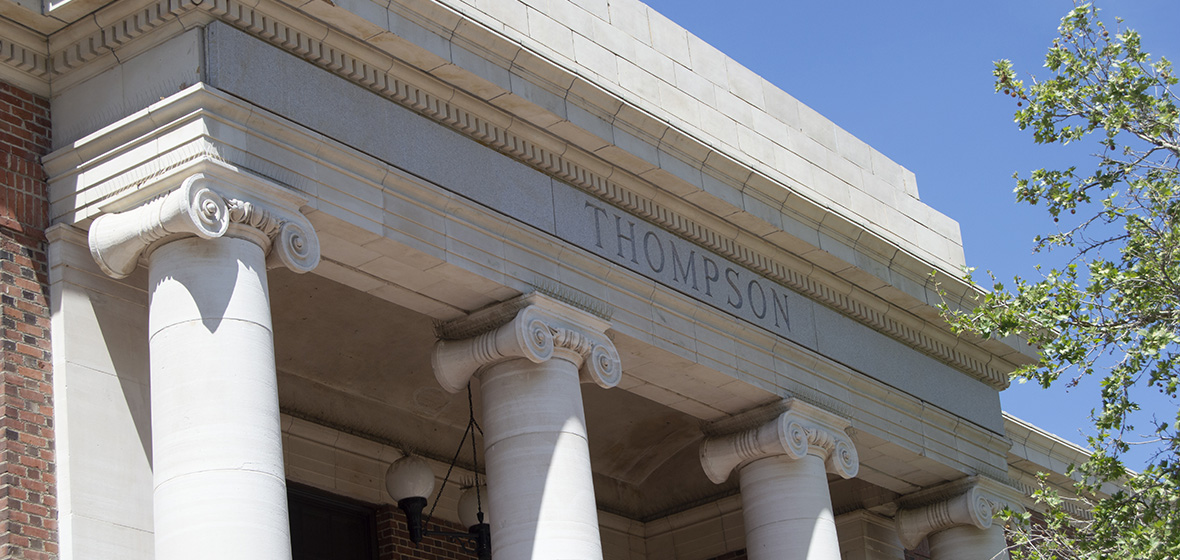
(394,543)
(394,540)
(28,512)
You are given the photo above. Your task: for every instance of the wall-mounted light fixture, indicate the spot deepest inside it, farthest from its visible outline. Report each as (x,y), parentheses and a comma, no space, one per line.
(410,480)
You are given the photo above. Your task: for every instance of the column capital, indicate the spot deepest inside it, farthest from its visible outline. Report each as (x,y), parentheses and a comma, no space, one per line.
(209,206)
(801,429)
(534,327)
(972,501)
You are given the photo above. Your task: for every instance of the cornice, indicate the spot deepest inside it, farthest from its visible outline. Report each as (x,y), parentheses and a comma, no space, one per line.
(24,58)
(1035,451)
(895,314)
(1028,440)
(1030,483)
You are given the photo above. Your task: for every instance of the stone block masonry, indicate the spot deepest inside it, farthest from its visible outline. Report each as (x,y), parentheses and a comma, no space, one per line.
(28,509)
(24,138)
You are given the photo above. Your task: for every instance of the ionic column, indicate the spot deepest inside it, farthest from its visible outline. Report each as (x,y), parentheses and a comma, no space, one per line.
(782,469)
(532,354)
(958,520)
(217,458)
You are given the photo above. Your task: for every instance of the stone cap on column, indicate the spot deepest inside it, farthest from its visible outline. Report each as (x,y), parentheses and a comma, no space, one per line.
(971,501)
(215,201)
(801,429)
(533,327)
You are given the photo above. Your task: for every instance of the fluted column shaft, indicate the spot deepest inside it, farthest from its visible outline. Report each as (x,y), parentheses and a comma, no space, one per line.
(782,471)
(217,457)
(540,486)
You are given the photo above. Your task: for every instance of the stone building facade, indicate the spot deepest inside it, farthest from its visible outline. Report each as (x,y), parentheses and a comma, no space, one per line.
(255,252)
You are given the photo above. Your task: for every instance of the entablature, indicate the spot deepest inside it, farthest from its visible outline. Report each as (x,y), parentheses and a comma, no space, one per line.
(883,291)
(398,237)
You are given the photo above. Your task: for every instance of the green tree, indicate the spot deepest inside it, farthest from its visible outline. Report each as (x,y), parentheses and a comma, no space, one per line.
(1112,311)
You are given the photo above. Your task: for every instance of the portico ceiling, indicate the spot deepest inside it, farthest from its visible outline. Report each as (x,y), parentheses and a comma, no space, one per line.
(360,363)
(354,361)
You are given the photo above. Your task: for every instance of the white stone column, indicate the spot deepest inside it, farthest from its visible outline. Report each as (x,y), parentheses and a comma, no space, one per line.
(532,355)
(217,458)
(782,468)
(958,519)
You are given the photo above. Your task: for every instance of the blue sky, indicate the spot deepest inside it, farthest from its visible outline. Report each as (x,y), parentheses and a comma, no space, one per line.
(913,79)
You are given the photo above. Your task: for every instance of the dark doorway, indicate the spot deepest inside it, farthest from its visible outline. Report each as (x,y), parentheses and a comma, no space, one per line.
(329,527)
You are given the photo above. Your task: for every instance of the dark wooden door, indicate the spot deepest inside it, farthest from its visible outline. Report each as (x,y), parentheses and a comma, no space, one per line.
(329,527)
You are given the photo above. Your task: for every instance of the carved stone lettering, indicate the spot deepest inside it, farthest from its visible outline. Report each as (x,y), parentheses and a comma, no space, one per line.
(649,239)
(677,263)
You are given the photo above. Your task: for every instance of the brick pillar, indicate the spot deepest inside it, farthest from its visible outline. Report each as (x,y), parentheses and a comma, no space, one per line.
(393,539)
(28,508)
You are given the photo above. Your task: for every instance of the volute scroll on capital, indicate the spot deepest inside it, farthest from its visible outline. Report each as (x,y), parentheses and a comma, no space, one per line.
(801,429)
(973,502)
(207,207)
(541,329)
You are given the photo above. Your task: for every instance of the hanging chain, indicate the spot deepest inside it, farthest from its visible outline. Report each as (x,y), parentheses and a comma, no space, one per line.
(472,427)
(471,423)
